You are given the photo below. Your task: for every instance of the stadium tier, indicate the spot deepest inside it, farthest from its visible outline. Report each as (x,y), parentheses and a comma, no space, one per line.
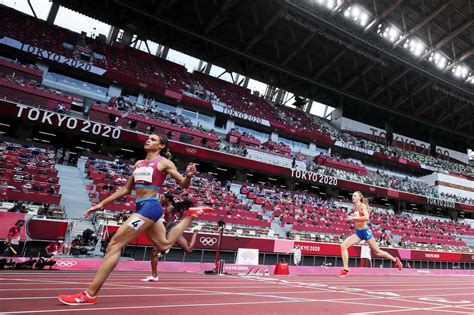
(258,206)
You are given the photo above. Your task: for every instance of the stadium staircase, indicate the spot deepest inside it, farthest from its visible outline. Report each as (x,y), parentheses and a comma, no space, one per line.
(75,198)
(81,226)
(277,229)
(468,239)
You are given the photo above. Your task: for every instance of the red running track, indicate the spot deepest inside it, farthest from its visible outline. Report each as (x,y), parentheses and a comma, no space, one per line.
(35,292)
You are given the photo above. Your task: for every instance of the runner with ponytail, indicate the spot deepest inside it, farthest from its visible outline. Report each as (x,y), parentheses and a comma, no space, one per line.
(361,215)
(147,178)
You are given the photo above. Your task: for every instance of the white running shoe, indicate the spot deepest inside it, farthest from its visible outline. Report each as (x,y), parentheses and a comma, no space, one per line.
(150,279)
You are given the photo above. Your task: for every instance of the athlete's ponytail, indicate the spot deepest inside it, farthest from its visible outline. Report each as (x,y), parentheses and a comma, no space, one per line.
(165,152)
(183,205)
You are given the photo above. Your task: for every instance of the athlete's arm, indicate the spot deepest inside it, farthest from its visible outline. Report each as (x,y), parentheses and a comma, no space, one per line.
(124,190)
(182,181)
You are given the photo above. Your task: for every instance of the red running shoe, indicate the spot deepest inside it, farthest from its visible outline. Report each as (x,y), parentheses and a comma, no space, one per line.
(342,273)
(197,211)
(77,299)
(398,263)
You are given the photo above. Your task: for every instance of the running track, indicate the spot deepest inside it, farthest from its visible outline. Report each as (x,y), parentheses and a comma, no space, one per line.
(35,292)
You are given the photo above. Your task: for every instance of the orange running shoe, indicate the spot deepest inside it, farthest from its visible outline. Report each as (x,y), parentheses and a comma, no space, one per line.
(81,298)
(343,273)
(198,211)
(398,264)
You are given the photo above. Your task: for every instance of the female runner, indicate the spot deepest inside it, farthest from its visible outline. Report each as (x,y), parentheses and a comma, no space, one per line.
(360,215)
(147,178)
(173,213)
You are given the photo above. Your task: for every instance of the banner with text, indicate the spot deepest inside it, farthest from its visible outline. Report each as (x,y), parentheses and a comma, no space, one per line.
(228,110)
(46,54)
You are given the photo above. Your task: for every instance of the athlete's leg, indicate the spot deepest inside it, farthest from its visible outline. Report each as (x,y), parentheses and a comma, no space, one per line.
(187,247)
(155,253)
(377,251)
(348,242)
(157,233)
(126,233)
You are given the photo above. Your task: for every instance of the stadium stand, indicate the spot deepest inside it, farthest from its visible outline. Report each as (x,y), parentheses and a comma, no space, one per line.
(28,174)
(256,207)
(153,71)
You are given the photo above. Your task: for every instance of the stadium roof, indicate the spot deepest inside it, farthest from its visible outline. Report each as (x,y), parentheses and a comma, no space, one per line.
(408,62)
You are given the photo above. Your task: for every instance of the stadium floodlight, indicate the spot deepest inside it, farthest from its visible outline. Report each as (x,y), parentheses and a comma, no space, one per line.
(364,19)
(329,4)
(438,59)
(357,14)
(347,13)
(393,34)
(460,71)
(470,78)
(389,32)
(415,46)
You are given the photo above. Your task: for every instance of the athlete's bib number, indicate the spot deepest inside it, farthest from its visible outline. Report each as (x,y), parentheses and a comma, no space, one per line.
(144,173)
(136,223)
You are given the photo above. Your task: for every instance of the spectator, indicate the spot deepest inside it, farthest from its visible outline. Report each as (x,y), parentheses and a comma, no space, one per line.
(296,255)
(55,248)
(67,155)
(78,247)
(12,242)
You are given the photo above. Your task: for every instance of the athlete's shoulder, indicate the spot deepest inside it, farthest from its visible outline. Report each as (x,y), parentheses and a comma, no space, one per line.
(166,162)
(138,162)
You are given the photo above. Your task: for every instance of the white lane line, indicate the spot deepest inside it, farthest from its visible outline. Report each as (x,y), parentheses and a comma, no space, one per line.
(197,305)
(329,288)
(285,299)
(468,307)
(427,289)
(130,285)
(179,294)
(118,287)
(414,309)
(143,307)
(409,285)
(288,299)
(295,299)
(440,294)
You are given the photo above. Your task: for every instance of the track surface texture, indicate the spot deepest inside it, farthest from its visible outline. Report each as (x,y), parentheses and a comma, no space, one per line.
(34,292)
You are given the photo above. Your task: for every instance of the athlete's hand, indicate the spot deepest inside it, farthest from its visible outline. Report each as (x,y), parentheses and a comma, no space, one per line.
(93,209)
(191,170)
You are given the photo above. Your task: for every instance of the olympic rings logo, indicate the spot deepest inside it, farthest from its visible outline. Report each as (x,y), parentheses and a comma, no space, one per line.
(208,241)
(191,150)
(66,263)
